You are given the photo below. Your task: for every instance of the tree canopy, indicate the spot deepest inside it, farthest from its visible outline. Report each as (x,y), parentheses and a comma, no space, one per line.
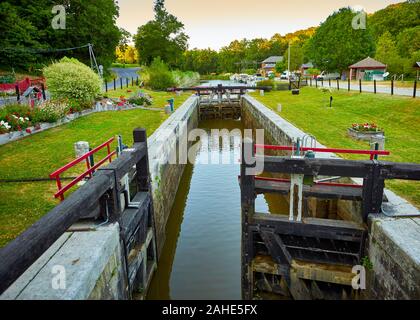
(336,44)
(28,39)
(162,37)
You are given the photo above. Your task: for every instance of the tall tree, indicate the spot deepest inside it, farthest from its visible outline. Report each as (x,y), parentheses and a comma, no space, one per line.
(387,52)
(162,37)
(86,22)
(336,44)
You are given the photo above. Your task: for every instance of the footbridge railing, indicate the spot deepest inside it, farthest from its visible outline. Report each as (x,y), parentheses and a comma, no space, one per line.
(119,192)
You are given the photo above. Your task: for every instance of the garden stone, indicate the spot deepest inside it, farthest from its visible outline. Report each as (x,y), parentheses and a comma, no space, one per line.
(81,148)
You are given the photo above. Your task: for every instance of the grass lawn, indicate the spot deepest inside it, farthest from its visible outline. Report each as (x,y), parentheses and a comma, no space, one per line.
(21,204)
(398,116)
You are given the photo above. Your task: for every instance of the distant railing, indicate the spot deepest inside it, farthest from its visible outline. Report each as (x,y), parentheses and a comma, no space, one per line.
(90,168)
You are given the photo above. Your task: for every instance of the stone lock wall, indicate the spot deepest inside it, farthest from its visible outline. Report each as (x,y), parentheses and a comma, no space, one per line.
(164,145)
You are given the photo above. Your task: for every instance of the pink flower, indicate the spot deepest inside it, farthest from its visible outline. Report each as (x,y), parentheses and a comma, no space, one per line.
(28,130)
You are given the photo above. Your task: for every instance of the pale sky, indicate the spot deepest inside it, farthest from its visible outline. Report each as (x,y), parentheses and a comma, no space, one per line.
(215,23)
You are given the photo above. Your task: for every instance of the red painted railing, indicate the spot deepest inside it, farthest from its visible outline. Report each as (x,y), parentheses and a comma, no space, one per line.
(90,169)
(372,153)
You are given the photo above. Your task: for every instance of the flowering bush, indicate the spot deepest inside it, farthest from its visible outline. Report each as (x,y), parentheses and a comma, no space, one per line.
(15,117)
(366,127)
(51,111)
(17,122)
(141,99)
(71,79)
(4,127)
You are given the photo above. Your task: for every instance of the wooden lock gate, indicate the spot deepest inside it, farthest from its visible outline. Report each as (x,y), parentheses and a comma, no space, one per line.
(311,258)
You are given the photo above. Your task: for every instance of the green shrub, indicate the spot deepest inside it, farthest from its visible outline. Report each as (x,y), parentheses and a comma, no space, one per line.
(50,111)
(266,83)
(186,78)
(158,76)
(8,78)
(249,71)
(71,79)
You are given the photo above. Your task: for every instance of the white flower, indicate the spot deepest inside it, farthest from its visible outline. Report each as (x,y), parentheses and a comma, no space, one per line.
(14,116)
(26,118)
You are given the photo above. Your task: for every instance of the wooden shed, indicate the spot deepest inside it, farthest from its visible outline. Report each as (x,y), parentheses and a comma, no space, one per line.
(366,69)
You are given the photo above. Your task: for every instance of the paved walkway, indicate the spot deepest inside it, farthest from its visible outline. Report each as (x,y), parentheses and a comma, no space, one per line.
(343,85)
(123,73)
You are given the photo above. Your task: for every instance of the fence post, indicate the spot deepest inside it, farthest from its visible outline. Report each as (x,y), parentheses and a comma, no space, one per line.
(316,82)
(338,85)
(132,81)
(392,87)
(348,84)
(126,82)
(115,84)
(106,86)
(329,83)
(374,86)
(415,88)
(17,92)
(121,84)
(44,96)
(310,82)
(360,85)
(140,136)
(137,81)
(322,82)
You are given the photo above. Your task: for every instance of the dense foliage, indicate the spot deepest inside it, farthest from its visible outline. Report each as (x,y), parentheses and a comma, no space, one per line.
(244,55)
(336,44)
(28,40)
(158,76)
(162,37)
(71,79)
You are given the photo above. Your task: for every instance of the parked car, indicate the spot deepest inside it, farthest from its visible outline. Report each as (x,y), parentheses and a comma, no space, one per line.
(286,75)
(327,76)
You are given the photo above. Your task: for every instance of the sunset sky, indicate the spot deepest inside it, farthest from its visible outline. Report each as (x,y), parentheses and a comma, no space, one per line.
(215,23)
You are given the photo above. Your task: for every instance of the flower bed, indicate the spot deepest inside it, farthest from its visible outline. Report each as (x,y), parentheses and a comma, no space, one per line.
(18,121)
(367,132)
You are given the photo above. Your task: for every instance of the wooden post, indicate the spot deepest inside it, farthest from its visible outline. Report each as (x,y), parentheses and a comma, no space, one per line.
(115,84)
(106,86)
(44,96)
(137,81)
(126,82)
(310,82)
(140,136)
(132,81)
(360,85)
(17,92)
(316,82)
(348,84)
(247,211)
(338,85)
(329,83)
(374,86)
(322,82)
(415,88)
(121,83)
(392,87)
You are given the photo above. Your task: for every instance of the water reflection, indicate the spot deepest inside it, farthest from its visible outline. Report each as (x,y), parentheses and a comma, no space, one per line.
(201,255)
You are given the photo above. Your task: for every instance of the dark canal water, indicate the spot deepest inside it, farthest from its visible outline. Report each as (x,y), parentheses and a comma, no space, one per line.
(202,252)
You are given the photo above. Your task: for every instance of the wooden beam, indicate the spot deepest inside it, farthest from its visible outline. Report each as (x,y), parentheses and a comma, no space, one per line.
(22,252)
(311,227)
(318,191)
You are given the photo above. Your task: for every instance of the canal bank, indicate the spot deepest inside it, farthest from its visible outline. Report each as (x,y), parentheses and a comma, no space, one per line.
(392,245)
